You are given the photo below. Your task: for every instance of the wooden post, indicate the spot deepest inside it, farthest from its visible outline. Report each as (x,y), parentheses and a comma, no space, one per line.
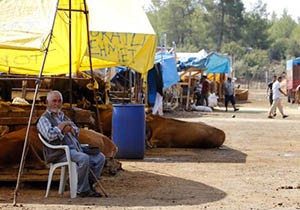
(136,87)
(107,86)
(222,78)
(188,92)
(70,55)
(24,85)
(99,123)
(215,84)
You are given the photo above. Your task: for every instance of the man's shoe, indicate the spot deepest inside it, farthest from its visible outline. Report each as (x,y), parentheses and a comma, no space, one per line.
(83,194)
(274,115)
(236,109)
(95,194)
(284,116)
(270,117)
(89,193)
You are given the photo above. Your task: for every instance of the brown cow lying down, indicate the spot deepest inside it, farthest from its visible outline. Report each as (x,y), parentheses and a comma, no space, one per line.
(11,146)
(167,132)
(93,138)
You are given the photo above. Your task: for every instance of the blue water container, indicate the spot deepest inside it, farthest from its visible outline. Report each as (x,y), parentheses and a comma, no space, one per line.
(128,130)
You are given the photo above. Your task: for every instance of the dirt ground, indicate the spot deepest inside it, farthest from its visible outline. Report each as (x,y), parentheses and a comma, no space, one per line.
(257,168)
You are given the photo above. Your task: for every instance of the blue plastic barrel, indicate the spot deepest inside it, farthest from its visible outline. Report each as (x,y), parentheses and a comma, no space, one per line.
(128,130)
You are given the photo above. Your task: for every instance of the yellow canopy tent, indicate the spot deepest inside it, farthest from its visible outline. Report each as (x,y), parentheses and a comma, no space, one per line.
(120,34)
(35,39)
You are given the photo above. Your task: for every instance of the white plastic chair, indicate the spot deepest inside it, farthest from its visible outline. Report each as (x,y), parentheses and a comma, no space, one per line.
(73,177)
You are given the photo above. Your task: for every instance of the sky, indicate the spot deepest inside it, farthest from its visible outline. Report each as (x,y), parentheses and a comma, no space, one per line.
(278,6)
(292,6)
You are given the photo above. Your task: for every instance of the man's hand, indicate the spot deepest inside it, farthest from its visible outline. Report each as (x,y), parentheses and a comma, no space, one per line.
(283,92)
(66,127)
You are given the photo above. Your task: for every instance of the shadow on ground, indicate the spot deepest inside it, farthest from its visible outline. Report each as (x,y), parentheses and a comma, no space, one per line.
(126,190)
(219,155)
(218,111)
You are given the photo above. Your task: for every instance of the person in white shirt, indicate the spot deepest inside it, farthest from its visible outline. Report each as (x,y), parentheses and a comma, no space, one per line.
(277,94)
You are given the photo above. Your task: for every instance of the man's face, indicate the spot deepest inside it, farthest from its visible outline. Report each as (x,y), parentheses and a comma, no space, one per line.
(54,103)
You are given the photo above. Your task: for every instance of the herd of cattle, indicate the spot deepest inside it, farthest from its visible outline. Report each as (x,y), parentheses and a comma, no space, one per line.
(160,132)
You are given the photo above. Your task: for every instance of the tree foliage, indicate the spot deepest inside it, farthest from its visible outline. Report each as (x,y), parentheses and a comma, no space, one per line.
(253,39)
(256,27)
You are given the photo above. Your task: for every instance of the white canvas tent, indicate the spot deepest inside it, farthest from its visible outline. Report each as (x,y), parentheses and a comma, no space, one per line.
(184,57)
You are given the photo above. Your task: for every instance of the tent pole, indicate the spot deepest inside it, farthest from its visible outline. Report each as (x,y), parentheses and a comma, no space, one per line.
(125,85)
(145,87)
(136,88)
(70,54)
(91,67)
(129,90)
(26,141)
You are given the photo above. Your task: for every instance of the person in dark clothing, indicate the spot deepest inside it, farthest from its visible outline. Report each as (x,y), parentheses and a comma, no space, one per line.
(229,94)
(270,92)
(269,89)
(158,105)
(159,79)
(198,90)
(204,90)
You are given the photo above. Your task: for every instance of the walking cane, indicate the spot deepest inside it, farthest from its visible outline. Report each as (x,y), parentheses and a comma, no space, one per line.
(93,174)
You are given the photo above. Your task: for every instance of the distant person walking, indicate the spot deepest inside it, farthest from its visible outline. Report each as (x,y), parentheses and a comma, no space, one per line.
(270,92)
(229,94)
(277,94)
(269,89)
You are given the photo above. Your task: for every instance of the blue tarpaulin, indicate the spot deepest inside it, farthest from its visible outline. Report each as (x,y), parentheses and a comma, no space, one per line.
(169,74)
(192,62)
(213,63)
(217,63)
(291,63)
(168,67)
(296,61)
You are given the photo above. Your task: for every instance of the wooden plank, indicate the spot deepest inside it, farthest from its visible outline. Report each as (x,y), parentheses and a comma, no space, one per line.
(14,114)
(9,175)
(36,113)
(28,106)
(29,93)
(21,117)
(16,120)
